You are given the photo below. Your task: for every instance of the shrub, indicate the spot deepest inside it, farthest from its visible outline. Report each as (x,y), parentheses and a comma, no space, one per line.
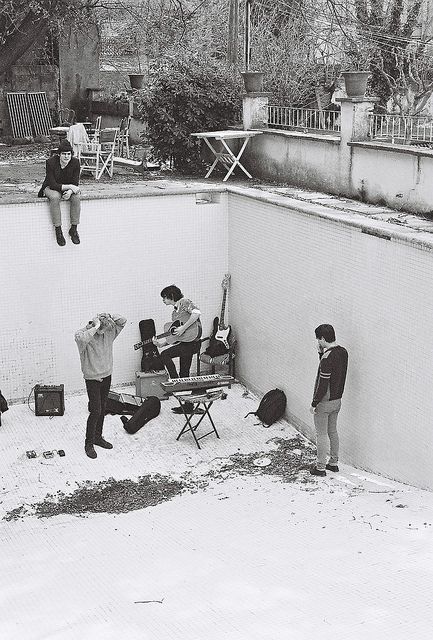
(183,96)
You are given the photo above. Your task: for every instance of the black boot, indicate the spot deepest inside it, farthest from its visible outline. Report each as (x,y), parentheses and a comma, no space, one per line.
(60,237)
(74,234)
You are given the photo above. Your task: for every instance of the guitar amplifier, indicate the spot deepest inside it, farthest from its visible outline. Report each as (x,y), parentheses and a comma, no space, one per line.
(148,383)
(49,400)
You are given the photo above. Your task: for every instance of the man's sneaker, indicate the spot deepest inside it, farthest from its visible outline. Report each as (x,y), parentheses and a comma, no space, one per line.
(103,443)
(317,472)
(60,237)
(90,451)
(332,467)
(74,234)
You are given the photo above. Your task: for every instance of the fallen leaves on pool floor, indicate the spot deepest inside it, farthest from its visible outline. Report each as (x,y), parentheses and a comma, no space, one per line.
(285,462)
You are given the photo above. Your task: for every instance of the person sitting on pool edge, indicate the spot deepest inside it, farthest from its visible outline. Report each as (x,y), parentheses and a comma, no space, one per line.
(61,183)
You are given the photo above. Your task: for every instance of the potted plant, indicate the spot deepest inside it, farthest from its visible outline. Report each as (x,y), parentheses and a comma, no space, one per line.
(356,77)
(136,78)
(253,81)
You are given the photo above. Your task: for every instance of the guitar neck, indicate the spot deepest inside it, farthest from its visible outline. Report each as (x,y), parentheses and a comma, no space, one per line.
(223,310)
(149,340)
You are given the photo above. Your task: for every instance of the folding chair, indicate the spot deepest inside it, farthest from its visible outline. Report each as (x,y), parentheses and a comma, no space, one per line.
(98,157)
(94,133)
(123,141)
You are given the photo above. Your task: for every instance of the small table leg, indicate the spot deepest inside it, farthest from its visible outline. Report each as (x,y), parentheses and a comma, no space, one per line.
(236,159)
(188,426)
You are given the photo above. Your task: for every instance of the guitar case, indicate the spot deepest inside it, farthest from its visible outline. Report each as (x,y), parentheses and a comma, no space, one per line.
(149,409)
(150,360)
(122,403)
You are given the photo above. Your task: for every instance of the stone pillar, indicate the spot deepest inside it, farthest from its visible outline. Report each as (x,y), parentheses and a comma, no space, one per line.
(255,110)
(355,124)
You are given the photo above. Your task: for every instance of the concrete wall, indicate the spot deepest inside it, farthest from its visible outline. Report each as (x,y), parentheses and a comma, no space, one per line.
(307,160)
(79,67)
(349,164)
(400,176)
(130,249)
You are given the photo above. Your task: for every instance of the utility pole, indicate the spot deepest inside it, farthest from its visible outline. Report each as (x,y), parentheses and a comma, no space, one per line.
(233,34)
(247,41)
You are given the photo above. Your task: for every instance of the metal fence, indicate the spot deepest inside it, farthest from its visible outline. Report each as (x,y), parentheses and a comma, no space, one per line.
(401,129)
(305,119)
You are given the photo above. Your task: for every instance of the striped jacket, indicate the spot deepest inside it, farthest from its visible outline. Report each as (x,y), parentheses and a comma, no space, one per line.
(331,375)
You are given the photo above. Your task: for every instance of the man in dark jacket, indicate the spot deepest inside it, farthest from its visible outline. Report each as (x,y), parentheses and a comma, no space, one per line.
(61,183)
(326,403)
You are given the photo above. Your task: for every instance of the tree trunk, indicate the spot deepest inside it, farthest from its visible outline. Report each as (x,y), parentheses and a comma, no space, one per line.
(32,31)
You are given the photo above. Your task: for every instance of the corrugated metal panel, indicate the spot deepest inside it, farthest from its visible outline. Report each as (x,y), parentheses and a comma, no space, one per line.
(40,113)
(19,114)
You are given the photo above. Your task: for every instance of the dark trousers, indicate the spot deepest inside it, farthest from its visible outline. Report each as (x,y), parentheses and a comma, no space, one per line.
(184,351)
(97,393)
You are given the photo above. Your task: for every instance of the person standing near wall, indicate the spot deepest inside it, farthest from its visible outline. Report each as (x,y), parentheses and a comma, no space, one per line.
(95,345)
(326,403)
(61,183)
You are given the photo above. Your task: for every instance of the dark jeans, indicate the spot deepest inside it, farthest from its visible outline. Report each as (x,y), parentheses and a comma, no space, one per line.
(97,393)
(184,351)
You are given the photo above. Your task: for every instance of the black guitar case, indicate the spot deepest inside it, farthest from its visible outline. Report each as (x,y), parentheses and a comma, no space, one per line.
(149,409)
(121,403)
(216,347)
(150,360)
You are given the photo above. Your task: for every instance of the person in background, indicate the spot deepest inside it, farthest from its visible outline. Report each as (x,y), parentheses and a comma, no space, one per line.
(188,314)
(328,391)
(62,183)
(95,345)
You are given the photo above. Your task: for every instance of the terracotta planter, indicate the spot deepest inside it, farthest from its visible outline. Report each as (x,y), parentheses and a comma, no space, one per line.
(356,83)
(136,80)
(253,81)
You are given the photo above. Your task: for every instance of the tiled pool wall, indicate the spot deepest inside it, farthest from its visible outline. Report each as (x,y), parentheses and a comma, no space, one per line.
(291,270)
(130,249)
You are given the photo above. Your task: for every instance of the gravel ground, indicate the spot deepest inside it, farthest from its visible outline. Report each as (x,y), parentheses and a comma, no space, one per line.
(26,164)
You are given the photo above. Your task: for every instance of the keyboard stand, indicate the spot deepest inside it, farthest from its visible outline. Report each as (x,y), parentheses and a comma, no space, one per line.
(204,400)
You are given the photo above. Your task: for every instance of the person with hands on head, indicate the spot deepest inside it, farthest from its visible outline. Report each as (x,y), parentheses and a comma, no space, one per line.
(326,403)
(95,346)
(62,183)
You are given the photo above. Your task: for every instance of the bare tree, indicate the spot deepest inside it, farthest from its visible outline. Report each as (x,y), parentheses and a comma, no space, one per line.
(26,23)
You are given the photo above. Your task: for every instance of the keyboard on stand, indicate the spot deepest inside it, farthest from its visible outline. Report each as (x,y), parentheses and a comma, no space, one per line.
(196,382)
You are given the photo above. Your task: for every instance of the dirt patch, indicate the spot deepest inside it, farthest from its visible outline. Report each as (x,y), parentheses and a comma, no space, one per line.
(285,463)
(109,496)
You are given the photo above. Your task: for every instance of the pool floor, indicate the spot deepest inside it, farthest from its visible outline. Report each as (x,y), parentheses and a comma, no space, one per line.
(235,541)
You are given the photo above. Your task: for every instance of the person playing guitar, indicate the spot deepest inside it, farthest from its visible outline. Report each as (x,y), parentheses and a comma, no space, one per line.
(188,333)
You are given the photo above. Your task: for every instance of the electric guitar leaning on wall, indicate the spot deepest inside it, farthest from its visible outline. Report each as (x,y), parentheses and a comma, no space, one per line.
(193,332)
(219,340)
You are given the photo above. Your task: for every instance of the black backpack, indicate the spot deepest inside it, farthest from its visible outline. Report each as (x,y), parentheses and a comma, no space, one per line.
(271,407)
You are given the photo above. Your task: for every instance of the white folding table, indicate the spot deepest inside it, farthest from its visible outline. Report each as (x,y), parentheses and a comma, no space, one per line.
(226,156)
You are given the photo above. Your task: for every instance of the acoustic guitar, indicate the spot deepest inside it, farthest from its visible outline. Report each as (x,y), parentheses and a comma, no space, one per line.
(192,333)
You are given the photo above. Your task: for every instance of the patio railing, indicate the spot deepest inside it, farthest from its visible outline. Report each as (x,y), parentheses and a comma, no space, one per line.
(401,129)
(305,119)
